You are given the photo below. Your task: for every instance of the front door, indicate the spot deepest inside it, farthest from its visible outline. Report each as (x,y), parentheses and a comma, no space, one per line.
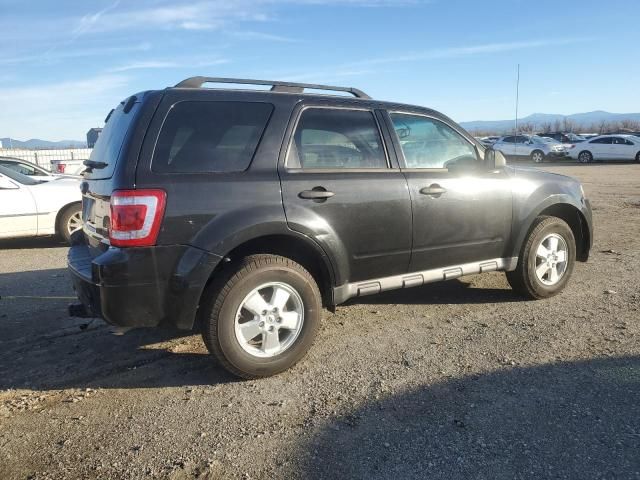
(340,188)
(461,210)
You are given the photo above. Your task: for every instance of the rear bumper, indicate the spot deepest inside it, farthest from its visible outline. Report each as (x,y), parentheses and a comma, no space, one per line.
(142,287)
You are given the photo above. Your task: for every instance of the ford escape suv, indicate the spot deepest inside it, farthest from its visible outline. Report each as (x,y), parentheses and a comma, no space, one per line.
(244,212)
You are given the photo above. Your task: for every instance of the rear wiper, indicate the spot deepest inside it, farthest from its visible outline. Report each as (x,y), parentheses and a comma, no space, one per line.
(91,164)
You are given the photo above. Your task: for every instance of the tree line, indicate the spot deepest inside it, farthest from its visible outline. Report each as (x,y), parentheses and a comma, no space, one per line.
(568,125)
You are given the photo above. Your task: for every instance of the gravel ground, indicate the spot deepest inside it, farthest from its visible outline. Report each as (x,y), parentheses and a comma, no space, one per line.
(453,380)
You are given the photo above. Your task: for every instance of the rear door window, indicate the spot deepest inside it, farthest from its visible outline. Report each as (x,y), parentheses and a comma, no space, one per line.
(210,137)
(327,138)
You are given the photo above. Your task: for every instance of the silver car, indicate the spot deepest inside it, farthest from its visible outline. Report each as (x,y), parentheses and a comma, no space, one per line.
(536,148)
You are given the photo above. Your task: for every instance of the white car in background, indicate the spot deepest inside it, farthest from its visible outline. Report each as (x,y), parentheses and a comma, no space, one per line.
(607,147)
(31,207)
(29,169)
(532,146)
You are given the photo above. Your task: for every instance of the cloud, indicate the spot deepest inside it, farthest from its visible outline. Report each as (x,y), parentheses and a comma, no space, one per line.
(160,64)
(452,52)
(55,56)
(59,110)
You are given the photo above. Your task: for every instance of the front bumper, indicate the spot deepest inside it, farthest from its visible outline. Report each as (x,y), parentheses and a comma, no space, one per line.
(142,287)
(558,154)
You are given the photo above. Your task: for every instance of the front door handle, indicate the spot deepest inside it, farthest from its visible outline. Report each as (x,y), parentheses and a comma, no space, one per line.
(433,190)
(318,193)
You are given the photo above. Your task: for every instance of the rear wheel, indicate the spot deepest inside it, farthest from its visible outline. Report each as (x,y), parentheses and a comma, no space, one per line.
(585,157)
(638,157)
(70,221)
(537,156)
(262,317)
(546,260)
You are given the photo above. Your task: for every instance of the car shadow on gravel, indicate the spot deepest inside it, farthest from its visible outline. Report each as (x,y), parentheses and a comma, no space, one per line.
(35,242)
(42,348)
(451,292)
(574,420)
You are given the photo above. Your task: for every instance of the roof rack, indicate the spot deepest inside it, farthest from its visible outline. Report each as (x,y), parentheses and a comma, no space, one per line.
(288,87)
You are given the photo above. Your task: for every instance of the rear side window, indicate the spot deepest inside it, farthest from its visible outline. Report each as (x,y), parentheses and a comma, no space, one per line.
(328,138)
(605,140)
(208,137)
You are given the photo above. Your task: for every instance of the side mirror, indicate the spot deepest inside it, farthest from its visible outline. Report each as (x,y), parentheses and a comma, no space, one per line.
(7,184)
(494,159)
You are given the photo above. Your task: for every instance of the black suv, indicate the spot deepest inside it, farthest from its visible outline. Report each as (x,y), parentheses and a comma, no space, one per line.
(244,212)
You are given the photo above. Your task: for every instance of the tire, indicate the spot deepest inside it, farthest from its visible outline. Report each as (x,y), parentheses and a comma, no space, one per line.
(524,279)
(225,312)
(69,221)
(638,157)
(585,157)
(537,156)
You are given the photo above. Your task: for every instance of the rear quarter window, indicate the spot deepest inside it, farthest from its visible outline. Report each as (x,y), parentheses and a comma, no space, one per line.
(210,137)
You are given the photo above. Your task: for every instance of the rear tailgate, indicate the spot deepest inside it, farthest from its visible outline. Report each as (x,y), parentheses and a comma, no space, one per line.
(101,180)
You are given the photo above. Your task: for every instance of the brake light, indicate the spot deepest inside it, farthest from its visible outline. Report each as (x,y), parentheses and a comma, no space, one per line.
(136,217)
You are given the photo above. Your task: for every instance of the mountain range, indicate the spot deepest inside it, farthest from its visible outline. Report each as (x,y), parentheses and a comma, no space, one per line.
(587,119)
(37,143)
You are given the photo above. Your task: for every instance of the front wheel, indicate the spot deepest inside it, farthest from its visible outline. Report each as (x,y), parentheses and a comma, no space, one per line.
(585,157)
(537,156)
(70,221)
(546,260)
(638,157)
(262,317)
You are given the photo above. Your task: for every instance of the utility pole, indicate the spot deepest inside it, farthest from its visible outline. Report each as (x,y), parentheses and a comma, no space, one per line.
(517,99)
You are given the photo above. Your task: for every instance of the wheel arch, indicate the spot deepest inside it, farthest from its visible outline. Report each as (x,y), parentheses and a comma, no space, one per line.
(62,211)
(298,248)
(574,218)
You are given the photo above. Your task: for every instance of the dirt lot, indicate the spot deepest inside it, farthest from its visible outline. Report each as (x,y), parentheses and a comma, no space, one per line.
(456,380)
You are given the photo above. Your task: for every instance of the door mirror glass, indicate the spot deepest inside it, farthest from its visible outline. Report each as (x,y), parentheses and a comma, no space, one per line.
(6,184)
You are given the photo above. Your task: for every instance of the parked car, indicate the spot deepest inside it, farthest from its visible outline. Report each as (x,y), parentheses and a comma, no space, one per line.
(487,141)
(68,167)
(532,146)
(608,147)
(244,212)
(29,169)
(31,207)
(563,137)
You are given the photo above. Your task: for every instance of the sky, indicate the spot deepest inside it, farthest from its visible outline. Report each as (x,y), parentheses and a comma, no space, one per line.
(64,64)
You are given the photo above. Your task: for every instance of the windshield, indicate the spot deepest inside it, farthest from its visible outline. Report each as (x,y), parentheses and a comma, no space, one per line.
(18,177)
(107,148)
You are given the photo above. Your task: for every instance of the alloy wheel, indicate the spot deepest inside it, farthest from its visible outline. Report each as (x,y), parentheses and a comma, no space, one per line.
(269,319)
(551,259)
(74,223)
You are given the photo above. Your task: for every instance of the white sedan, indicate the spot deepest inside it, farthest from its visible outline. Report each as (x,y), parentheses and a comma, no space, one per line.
(607,147)
(30,207)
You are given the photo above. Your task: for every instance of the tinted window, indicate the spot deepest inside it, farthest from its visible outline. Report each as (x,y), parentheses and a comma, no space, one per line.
(107,148)
(509,139)
(606,140)
(205,137)
(429,143)
(336,138)
(621,141)
(19,177)
(23,168)
(521,139)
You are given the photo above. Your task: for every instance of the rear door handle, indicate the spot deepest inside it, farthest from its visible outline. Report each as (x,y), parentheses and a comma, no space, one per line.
(318,193)
(433,190)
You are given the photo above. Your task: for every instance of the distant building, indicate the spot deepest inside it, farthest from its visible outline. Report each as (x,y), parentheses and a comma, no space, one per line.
(92,136)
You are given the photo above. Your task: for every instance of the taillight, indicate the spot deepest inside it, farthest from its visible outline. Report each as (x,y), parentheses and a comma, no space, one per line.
(136,216)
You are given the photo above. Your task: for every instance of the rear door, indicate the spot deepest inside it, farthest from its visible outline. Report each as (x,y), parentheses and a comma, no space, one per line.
(461,210)
(18,211)
(622,149)
(340,187)
(507,146)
